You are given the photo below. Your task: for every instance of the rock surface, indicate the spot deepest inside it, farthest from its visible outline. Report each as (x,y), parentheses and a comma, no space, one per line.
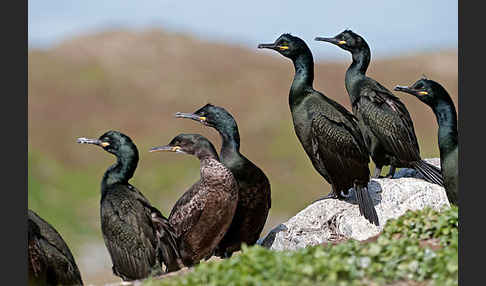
(334,220)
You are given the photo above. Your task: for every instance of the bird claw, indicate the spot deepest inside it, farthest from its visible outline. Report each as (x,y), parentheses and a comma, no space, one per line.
(344,195)
(331,195)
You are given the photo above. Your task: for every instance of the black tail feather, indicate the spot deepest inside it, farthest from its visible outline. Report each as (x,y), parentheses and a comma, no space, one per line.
(430,172)
(365,203)
(168,246)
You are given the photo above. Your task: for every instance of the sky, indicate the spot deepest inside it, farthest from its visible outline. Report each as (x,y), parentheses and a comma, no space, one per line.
(390,27)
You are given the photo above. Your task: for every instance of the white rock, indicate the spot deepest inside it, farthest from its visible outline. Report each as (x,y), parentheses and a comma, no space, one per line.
(331,219)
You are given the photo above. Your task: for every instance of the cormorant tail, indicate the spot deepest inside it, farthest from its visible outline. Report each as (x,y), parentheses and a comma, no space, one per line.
(430,172)
(168,246)
(365,203)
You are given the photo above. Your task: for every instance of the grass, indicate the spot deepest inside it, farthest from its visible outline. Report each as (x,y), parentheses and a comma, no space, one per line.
(420,246)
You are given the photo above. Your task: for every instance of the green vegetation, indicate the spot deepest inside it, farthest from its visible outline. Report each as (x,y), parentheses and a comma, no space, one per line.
(419,246)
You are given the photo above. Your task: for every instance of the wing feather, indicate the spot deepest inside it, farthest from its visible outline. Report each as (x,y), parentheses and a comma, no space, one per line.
(389,120)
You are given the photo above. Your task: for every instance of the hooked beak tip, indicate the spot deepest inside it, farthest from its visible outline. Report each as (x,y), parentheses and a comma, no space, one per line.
(160,148)
(165,148)
(192,116)
(84,140)
(400,88)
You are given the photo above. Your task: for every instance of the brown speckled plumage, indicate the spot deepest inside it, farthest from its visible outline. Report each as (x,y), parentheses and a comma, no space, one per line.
(203,214)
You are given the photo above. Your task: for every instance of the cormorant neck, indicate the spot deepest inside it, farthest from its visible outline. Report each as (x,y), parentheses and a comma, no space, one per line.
(357,71)
(121,171)
(304,76)
(445,113)
(207,153)
(361,61)
(231,141)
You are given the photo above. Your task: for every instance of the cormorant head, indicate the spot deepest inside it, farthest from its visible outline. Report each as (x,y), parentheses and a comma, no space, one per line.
(426,90)
(114,142)
(347,40)
(210,115)
(192,144)
(287,45)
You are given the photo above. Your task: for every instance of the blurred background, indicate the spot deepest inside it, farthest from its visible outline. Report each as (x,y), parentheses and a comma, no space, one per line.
(130,65)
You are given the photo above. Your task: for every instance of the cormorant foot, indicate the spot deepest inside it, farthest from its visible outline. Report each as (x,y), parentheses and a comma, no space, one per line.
(377,173)
(391,173)
(345,195)
(227,254)
(379,177)
(209,255)
(331,195)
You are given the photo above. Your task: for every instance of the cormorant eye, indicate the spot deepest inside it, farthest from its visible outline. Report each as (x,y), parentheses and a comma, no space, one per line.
(419,86)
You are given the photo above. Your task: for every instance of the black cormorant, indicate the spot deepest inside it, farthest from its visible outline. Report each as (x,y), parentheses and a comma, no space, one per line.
(384,120)
(50,261)
(254,199)
(328,132)
(203,214)
(435,96)
(138,237)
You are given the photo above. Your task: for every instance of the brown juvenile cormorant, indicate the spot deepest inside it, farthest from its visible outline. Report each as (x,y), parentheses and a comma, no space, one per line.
(254,198)
(328,132)
(138,237)
(204,213)
(50,261)
(384,120)
(435,96)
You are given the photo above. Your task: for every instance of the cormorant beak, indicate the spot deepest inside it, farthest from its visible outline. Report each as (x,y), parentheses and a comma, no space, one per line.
(98,142)
(201,119)
(403,88)
(410,90)
(331,40)
(168,148)
(272,46)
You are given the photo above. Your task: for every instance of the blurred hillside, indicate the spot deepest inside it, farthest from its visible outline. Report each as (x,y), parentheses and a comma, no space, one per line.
(134,82)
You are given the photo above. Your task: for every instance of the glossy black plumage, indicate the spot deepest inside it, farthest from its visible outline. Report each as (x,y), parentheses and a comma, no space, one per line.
(138,237)
(327,131)
(203,214)
(254,196)
(435,96)
(50,262)
(383,119)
